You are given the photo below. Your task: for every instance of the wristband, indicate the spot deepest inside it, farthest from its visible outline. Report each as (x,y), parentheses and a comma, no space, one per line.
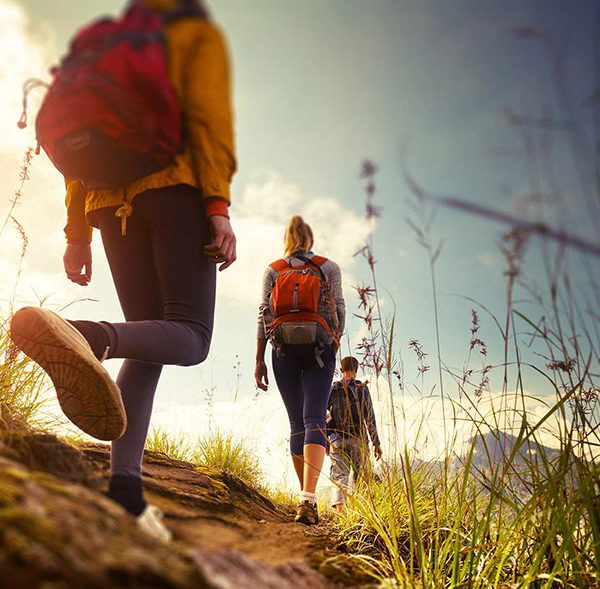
(215,206)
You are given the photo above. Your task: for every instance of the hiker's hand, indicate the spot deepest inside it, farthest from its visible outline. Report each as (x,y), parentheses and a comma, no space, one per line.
(378,452)
(77,261)
(260,375)
(222,248)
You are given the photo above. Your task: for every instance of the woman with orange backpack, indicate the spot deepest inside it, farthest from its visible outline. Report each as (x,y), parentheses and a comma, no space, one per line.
(162,215)
(302,314)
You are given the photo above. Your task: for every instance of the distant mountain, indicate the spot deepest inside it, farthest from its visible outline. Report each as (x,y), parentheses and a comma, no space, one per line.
(497,447)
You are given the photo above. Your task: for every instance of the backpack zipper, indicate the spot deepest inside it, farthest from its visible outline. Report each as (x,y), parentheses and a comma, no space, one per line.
(295,298)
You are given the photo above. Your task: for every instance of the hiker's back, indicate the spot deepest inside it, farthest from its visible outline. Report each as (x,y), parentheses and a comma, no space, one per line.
(152,124)
(300,306)
(346,419)
(111,115)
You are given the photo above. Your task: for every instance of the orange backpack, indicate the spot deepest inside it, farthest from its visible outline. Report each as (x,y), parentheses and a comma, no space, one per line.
(300,304)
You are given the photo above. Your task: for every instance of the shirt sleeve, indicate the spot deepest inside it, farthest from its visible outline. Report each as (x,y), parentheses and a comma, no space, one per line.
(369,415)
(264,311)
(335,283)
(77,228)
(209,114)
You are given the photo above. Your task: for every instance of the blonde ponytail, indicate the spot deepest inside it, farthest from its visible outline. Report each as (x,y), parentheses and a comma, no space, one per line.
(298,236)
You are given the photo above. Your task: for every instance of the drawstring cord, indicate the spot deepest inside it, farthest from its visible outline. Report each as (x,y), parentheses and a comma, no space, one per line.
(29,85)
(124,212)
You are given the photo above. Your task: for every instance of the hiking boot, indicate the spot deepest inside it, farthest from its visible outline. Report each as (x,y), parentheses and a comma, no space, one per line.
(150,520)
(87,394)
(307,514)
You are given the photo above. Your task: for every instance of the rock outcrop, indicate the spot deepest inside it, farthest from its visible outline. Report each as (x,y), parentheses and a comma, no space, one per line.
(59,531)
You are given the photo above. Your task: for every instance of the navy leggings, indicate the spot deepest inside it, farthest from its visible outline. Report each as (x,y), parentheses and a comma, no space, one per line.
(305,388)
(166,288)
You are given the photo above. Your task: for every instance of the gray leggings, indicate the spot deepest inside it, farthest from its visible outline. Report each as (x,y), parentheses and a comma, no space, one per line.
(166,288)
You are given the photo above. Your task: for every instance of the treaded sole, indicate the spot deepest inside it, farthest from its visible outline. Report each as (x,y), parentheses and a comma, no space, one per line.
(86,393)
(304,520)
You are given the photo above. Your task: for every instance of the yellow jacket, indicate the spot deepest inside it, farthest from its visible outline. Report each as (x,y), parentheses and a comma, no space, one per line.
(199,69)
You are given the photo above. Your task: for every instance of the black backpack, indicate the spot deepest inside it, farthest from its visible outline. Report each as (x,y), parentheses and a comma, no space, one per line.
(345,416)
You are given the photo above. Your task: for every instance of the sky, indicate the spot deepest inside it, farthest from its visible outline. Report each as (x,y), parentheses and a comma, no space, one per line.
(420,88)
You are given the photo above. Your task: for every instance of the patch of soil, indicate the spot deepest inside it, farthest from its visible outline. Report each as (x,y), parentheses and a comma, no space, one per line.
(57,529)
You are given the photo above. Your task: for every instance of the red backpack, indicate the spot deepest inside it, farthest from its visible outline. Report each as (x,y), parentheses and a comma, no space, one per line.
(300,304)
(111,115)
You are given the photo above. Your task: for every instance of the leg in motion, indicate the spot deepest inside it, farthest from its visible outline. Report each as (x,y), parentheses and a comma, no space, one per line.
(316,384)
(289,383)
(339,473)
(316,381)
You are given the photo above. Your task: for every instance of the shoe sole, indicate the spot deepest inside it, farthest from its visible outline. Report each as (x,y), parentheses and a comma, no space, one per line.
(301,519)
(86,393)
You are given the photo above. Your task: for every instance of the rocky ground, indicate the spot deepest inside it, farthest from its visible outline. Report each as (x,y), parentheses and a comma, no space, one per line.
(59,531)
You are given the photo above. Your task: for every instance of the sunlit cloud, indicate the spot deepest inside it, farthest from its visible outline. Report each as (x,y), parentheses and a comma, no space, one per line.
(40,208)
(260,217)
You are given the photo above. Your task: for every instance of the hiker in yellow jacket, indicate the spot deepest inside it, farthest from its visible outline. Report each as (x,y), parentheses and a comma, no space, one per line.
(163,236)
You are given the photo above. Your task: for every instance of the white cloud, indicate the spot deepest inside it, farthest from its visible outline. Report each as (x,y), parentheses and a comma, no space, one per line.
(40,207)
(259,221)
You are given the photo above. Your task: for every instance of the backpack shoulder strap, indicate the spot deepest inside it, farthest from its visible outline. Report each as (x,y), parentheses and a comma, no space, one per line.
(279,265)
(311,262)
(352,390)
(318,260)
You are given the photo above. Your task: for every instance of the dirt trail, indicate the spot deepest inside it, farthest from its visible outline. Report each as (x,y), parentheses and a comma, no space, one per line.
(226,533)
(217,512)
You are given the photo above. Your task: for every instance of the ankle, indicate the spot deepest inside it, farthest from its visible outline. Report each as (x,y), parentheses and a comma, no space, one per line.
(306,496)
(95,334)
(127,491)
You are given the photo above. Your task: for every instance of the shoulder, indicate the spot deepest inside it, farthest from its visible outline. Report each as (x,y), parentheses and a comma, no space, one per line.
(278,265)
(362,387)
(328,265)
(190,31)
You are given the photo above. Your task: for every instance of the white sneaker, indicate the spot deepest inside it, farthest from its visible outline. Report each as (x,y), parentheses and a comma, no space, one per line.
(150,520)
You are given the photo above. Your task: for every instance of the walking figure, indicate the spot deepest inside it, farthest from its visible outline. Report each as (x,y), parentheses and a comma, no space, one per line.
(138,119)
(302,313)
(351,417)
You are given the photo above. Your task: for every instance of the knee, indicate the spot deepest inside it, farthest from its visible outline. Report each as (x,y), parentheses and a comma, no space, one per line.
(195,344)
(296,438)
(316,431)
(194,354)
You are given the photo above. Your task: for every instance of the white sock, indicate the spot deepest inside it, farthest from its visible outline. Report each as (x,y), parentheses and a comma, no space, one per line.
(310,497)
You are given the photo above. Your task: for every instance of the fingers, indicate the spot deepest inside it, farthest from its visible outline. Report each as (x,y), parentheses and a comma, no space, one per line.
(74,274)
(260,374)
(222,250)
(231,255)
(218,240)
(260,384)
(77,262)
(78,278)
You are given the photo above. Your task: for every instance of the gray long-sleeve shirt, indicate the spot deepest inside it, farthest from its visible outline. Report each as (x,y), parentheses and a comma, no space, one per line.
(333,275)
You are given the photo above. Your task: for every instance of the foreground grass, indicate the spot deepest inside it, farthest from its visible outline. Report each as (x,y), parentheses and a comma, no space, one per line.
(456,525)
(23,388)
